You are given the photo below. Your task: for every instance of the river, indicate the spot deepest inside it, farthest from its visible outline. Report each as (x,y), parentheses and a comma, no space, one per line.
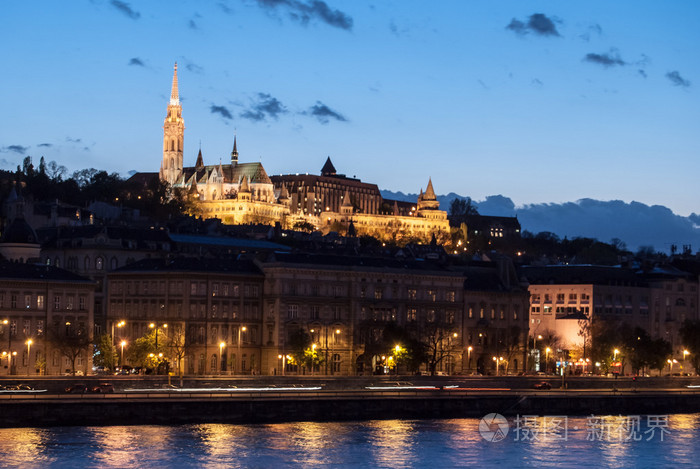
(629,441)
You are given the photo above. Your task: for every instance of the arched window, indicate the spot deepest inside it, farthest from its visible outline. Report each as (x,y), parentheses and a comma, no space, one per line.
(172,163)
(172,145)
(86,264)
(99,263)
(57,262)
(114,263)
(336,363)
(213,363)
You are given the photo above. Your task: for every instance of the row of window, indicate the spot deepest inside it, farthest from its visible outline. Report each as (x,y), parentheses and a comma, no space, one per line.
(560,297)
(197,310)
(177,287)
(32,301)
(492,312)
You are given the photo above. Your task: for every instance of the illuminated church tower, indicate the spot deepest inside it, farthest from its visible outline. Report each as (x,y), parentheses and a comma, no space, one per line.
(173,137)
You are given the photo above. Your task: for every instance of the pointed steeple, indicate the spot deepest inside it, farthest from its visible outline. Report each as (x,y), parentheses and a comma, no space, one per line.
(245,185)
(174,94)
(429,192)
(200,161)
(234,153)
(328,168)
(346,199)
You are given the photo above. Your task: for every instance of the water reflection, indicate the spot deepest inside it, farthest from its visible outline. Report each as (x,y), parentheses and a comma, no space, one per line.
(386,443)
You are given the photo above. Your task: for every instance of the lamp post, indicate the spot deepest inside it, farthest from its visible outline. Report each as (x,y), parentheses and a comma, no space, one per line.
(313,358)
(546,359)
(469,358)
(283,358)
(160,355)
(29,354)
(240,358)
(534,347)
(6,323)
(336,333)
(221,356)
(497,360)
(121,360)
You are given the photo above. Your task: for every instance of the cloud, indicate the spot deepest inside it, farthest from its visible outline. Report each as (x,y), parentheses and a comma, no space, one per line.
(608,59)
(193,67)
(192,25)
(126,9)
(47,145)
(266,106)
(304,12)
(642,73)
(594,28)
(323,113)
(677,79)
(135,61)
(73,140)
(21,149)
(225,8)
(537,23)
(225,113)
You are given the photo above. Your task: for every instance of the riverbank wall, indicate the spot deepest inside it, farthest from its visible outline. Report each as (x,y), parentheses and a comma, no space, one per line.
(186,408)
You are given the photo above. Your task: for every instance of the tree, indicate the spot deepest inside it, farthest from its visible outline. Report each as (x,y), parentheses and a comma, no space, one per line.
(105,354)
(299,343)
(511,344)
(643,352)
(179,346)
(71,343)
(690,335)
(144,352)
(407,351)
(437,339)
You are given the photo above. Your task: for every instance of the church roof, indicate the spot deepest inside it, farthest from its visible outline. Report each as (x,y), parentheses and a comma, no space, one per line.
(429,192)
(232,173)
(19,231)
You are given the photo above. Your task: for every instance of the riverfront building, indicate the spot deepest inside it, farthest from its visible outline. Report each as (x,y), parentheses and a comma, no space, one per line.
(234,316)
(46,317)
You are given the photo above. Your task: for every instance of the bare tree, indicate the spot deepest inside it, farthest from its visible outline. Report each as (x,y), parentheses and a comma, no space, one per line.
(71,343)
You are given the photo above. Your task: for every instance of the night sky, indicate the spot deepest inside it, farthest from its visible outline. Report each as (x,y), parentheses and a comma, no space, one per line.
(539,101)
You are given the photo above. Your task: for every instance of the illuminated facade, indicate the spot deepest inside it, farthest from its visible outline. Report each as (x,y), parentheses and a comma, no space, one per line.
(239,193)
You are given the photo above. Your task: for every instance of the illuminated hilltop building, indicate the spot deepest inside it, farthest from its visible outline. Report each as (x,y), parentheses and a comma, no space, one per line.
(239,193)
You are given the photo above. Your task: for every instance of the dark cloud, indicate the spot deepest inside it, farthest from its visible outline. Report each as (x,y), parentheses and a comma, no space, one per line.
(677,79)
(47,145)
(225,113)
(225,8)
(311,9)
(594,28)
(15,149)
(192,25)
(608,59)
(538,24)
(137,62)
(126,9)
(323,113)
(265,106)
(536,82)
(642,73)
(194,68)
(73,140)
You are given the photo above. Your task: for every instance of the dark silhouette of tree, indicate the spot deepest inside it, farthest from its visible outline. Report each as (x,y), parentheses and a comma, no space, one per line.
(70,342)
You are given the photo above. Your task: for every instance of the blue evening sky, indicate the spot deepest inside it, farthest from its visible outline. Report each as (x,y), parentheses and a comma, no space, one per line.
(541,101)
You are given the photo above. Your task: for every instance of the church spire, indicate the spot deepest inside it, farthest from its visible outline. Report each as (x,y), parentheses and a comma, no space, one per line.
(174,94)
(234,153)
(173,137)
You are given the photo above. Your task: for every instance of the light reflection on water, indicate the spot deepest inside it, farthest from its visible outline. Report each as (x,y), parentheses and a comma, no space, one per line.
(377,443)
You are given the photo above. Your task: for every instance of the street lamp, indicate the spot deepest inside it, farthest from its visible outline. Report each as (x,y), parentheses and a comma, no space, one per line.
(336,333)
(121,361)
(240,358)
(469,358)
(221,356)
(546,359)
(497,360)
(29,354)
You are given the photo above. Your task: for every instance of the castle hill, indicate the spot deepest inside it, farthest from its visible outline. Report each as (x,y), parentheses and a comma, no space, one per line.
(214,277)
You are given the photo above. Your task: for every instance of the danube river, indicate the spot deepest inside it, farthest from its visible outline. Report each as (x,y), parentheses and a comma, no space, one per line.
(525,441)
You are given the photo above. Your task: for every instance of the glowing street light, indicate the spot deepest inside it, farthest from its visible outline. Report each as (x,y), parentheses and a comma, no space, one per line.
(240,358)
(546,358)
(121,361)
(29,355)
(469,357)
(221,355)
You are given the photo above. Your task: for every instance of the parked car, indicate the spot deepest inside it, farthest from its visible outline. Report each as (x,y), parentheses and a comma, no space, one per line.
(545,385)
(103,388)
(78,388)
(18,387)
